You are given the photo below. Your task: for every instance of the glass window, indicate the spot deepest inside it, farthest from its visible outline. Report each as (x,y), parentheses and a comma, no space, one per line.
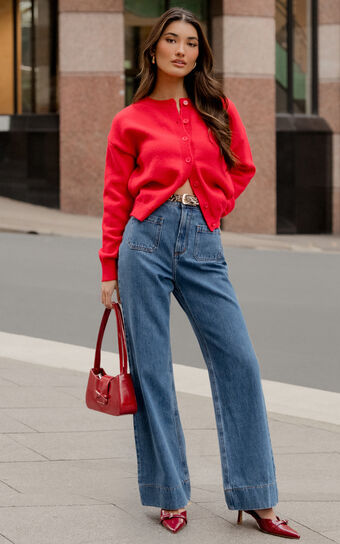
(30,41)
(281,52)
(295,48)
(302,40)
(6,57)
(25,56)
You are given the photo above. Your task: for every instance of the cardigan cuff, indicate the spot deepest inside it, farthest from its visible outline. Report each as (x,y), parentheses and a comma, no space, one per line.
(109,269)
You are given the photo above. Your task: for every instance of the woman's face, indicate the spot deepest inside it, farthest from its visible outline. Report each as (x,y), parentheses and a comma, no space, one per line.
(179,41)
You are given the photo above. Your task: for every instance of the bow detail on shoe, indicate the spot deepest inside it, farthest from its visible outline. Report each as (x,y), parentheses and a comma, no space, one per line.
(280,521)
(168,515)
(173,521)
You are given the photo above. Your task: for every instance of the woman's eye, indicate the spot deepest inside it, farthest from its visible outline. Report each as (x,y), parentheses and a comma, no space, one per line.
(172,40)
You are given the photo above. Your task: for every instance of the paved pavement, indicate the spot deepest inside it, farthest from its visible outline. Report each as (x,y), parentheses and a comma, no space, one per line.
(69,474)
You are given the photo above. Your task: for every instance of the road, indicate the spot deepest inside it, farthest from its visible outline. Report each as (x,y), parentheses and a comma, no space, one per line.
(50,288)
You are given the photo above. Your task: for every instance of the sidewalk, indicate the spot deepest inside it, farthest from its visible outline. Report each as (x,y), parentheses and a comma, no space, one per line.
(69,474)
(18,216)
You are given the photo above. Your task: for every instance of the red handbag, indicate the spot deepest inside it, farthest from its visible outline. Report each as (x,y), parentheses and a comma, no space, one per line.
(114,395)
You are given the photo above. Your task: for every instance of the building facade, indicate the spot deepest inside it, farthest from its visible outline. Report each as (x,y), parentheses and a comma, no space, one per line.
(68,67)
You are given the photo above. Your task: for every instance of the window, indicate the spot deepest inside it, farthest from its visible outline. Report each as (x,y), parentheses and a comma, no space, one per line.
(296,56)
(29,38)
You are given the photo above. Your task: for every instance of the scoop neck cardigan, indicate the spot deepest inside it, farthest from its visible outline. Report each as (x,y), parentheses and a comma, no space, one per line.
(152,149)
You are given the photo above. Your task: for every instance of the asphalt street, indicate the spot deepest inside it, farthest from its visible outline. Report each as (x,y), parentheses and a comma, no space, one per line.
(50,288)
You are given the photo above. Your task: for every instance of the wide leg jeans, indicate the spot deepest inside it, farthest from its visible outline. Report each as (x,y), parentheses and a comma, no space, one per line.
(173,251)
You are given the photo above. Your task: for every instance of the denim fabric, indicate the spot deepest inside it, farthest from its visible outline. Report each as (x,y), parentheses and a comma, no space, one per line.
(173,251)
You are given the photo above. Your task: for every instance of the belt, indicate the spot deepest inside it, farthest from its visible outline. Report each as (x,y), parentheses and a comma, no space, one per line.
(185,199)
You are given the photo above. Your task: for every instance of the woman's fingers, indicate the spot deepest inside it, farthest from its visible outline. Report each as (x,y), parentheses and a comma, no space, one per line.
(108,289)
(108,302)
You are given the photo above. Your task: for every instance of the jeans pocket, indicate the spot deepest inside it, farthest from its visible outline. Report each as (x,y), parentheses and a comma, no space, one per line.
(208,244)
(145,235)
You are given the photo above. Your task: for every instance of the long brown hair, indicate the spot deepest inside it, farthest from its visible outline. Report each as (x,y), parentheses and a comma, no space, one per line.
(203,89)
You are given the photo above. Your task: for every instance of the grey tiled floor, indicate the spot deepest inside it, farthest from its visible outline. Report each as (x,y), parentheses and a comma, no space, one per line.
(68,474)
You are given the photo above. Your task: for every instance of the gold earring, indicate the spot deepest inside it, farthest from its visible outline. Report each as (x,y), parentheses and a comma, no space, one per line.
(153,59)
(195,65)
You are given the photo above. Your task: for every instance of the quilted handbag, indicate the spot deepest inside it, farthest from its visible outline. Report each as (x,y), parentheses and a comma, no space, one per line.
(114,395)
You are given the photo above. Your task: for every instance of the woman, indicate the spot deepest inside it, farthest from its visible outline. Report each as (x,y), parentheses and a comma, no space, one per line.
(177,158)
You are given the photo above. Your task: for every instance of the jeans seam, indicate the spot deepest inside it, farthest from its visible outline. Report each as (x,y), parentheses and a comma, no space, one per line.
(176,423)
(165,486)
(177,255)
(134,416)
(214,376)
(249,486)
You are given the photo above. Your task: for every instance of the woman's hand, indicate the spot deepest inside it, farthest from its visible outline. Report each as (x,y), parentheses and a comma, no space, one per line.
(108,288)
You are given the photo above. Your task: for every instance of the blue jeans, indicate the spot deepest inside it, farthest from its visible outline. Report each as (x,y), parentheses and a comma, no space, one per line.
(173,251)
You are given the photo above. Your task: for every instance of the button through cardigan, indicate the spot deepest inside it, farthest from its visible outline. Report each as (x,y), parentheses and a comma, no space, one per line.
(152,150)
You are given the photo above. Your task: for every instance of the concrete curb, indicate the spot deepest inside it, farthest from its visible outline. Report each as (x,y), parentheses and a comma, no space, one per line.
(281,398)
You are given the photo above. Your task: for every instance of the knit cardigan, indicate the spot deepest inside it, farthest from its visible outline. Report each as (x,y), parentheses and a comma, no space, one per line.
(152,149)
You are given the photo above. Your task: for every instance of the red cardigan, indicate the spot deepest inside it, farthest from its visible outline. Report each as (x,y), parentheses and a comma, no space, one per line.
(152,150)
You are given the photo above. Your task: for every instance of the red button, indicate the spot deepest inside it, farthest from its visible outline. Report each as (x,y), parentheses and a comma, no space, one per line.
(185,121)
(188,159)
(185,138)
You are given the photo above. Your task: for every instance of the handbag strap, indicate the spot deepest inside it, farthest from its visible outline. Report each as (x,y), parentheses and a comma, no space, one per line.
(123,360)
(121,335)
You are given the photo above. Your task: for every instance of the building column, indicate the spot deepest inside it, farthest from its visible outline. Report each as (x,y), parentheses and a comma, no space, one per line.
(91,92)
(248,32)
(329,88)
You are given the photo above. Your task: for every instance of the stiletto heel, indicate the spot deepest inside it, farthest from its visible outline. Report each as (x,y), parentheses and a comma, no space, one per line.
(173,522)
(277,527)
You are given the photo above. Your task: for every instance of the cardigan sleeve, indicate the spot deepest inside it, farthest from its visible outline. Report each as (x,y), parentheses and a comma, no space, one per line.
(117,201)
(244,171)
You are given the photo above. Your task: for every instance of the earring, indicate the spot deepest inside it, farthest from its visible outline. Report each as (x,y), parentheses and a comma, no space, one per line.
(153,59)
(195,65)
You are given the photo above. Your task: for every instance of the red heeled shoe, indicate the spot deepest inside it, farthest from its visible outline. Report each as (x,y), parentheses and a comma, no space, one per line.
(173,522)
(277,527)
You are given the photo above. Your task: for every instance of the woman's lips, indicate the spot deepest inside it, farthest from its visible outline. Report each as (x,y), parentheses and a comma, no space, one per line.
(177,63)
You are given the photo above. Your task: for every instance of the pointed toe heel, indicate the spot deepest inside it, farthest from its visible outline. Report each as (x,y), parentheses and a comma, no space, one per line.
(173,522)
(277,527)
